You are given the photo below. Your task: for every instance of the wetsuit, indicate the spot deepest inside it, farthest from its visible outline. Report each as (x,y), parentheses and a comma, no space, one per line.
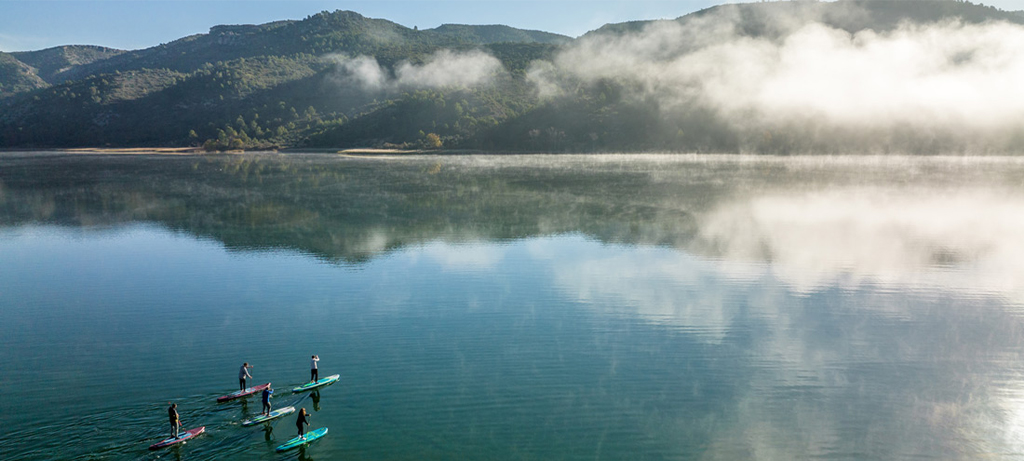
(266,400)
(172,413)
(302,419)
(314,374)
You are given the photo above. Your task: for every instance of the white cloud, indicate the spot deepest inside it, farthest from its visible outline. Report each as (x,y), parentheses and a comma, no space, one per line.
(444,68)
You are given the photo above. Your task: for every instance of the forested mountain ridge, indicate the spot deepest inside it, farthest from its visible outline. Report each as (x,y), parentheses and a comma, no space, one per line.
(54,64)
(757,19)
(337,80)
(323,33)
(17,77)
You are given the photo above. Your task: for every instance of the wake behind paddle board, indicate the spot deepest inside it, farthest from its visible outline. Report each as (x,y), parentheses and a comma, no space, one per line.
(296,442)
(273,415)
(182,436)
(243,393)
(318,383)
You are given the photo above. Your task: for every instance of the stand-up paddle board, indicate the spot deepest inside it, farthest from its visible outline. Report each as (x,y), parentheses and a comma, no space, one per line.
(318,383)
(182,436)
(298,441)
(243,393)
(273,415)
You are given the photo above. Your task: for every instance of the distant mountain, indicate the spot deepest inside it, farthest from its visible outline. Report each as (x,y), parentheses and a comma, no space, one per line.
(191,89)
(53,63)
(771,18)
(339,79)
(484,35)
(320,34)
(17,77)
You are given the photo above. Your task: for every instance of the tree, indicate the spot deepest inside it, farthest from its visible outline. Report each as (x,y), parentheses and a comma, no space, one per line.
(432,141)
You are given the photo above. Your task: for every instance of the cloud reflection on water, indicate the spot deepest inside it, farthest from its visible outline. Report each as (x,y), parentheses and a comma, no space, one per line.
(966,241)
(868,367)
(892,304)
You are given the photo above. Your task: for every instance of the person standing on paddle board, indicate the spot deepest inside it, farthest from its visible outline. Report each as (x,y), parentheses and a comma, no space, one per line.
(242,374)
(302,419)
(266,400)
(314,374)
(172,413)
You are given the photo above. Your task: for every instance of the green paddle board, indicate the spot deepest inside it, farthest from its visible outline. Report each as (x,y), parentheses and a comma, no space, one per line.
(264,418)
(318,383)
(298,441)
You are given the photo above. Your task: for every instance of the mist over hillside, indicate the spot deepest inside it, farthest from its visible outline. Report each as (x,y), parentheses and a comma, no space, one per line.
(776,77)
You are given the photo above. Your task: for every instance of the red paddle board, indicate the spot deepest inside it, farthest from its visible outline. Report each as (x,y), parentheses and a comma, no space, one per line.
(243,393)
(182,436)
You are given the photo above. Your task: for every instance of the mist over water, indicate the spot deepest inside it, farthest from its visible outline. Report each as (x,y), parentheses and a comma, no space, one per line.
(509,307)
(944,87)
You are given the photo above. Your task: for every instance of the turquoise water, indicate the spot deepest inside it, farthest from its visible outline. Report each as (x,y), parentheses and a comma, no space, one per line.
(608,307)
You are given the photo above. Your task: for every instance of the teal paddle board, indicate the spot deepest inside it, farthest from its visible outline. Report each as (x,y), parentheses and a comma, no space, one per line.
(318,383)
(273,415)
(298,441)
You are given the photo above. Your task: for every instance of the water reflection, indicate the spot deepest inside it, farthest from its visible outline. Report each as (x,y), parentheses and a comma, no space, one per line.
(815,219)
(838,370)
(558,307)
(964,239)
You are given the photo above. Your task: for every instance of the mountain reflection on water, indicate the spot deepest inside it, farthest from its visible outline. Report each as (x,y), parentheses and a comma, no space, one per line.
(828,307)
(815,217)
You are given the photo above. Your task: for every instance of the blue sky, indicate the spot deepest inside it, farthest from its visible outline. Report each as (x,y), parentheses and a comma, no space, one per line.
(37,24)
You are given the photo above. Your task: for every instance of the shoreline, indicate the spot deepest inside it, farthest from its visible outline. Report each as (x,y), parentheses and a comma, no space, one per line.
(359,151)
(386,153)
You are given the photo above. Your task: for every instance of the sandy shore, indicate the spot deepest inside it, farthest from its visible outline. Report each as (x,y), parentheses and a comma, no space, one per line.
(353,152)
(135,150)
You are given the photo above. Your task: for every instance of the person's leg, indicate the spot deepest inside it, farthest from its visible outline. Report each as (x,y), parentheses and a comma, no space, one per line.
(241,384)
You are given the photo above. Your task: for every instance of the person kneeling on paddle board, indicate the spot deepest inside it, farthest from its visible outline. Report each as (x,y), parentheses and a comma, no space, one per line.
(266,400)
(314,374)
(302,419)
(242,374)
(172,413)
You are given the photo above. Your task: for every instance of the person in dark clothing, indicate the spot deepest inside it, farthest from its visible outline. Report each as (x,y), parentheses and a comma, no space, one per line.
(172,413)
(314,373)
(242,374)
(300,421)
(266,400)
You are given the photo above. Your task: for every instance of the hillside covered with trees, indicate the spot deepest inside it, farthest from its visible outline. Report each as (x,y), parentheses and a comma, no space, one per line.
(341,80)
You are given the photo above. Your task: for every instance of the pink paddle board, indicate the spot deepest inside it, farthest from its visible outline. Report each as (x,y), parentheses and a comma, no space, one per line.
(182,436)
(243,393)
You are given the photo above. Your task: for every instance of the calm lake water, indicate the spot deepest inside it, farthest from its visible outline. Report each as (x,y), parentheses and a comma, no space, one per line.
(515,307)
